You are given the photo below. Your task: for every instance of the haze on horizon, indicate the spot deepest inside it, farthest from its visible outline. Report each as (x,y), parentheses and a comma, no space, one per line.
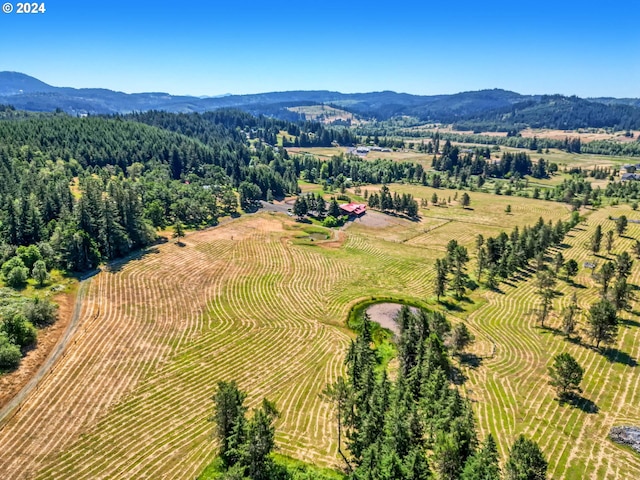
(212,48)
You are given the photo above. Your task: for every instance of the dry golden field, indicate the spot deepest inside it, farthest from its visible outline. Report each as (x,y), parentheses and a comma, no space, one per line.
(262,301)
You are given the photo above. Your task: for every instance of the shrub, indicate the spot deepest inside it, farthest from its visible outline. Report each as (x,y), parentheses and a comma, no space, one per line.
(10,355)
(41,312)
(10,265)
(19,331)
(330,221)
(17,277)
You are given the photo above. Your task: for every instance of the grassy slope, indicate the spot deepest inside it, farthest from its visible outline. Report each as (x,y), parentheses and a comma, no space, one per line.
(251,301)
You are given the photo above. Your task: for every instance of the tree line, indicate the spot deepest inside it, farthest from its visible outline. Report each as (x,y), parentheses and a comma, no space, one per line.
(386,201)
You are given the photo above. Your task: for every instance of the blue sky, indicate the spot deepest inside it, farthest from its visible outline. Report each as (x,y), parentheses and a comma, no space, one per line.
(196,47)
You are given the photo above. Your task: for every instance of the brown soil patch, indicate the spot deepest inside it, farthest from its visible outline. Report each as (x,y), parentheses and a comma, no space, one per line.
(12,383)
(384,314)
(375,219)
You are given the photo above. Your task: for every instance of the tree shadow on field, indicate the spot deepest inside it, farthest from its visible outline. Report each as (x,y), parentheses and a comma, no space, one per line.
(117,265)
(617,356)
(578,401)
(556,332)
(470,360)
(451,306)
(631,323)
(457,376)
(576,340)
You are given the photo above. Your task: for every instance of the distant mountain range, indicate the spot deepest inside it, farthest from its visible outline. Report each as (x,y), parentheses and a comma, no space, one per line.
(479,110)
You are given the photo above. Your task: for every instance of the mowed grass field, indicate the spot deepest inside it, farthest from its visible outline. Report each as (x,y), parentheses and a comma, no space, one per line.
(261,301)
(510,389)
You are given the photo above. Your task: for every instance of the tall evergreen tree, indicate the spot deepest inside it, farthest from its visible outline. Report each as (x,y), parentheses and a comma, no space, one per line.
(526,461)
(484,464)
(229,419)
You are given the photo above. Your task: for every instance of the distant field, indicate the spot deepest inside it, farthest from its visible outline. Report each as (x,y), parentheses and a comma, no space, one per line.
(570,160)
(321,152)
(399,156)
(261,300)
(325,114)
(585,135)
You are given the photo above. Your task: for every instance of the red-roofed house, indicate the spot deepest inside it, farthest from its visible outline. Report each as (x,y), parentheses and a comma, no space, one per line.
(356,209)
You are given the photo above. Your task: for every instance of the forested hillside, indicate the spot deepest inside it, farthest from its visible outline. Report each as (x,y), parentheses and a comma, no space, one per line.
(553,111)
(92,189)
(483,110)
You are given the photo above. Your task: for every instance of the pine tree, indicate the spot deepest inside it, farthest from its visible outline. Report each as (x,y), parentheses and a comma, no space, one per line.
(609,242)
(300,207)
(526,461)
(178,230)
(484,464)
(607,271)
(334,208)
(229,419)
(260,441)
(566,375)
(624,263)
(558,262)
(544,288)
(569,316)
(441,278)
(621,225)
(596,239)
(602,322)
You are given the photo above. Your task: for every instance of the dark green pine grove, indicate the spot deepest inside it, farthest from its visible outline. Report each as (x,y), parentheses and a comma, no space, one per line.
(416,426)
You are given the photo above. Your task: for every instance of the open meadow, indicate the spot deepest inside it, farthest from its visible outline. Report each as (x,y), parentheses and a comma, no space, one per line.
(263,299)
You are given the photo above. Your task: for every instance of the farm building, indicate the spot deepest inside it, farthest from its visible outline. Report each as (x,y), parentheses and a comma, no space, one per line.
(353,209)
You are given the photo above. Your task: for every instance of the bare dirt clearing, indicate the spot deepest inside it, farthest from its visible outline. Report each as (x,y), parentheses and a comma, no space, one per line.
(385,315)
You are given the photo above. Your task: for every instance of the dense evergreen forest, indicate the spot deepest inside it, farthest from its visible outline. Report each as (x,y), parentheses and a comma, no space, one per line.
(556,112)
(92,189)
(478,163)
